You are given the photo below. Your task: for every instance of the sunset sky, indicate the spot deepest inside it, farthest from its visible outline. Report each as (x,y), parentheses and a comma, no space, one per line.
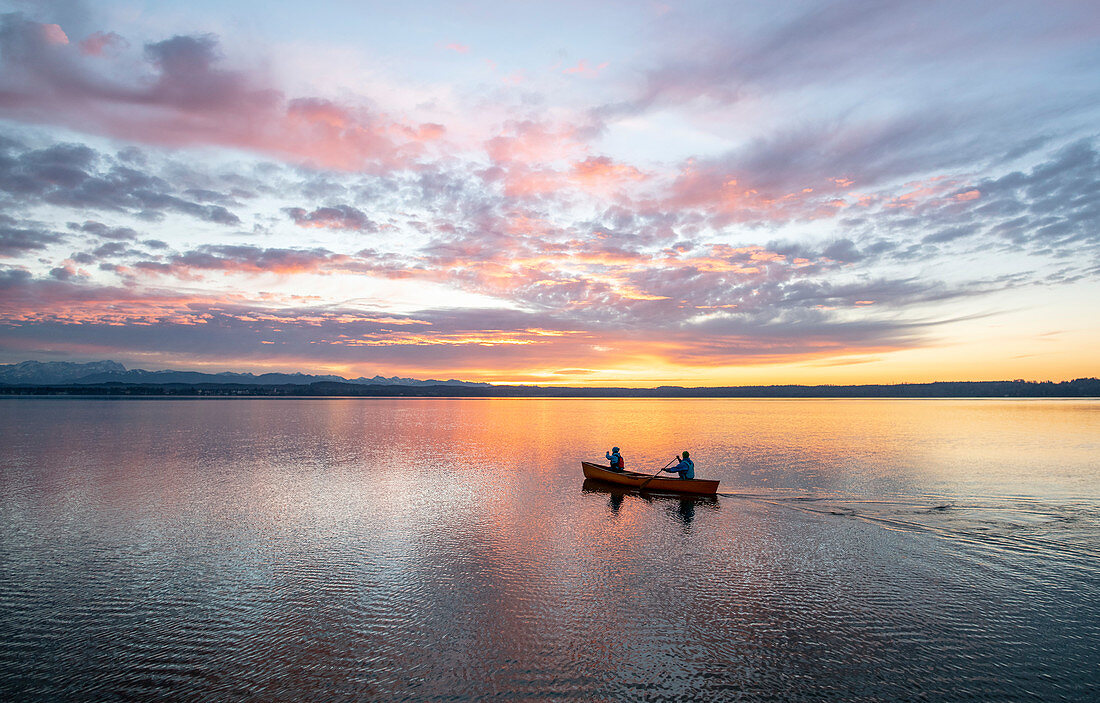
(608,193)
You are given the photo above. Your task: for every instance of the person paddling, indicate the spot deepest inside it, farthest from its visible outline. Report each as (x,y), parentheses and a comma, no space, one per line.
(615,458)
(685,467)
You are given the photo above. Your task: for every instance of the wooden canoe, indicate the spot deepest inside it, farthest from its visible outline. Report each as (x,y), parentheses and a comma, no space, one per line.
(595,485)
(693,486)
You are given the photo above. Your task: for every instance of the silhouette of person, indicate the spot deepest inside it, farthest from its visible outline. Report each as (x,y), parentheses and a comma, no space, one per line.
(616,459)
(685,467)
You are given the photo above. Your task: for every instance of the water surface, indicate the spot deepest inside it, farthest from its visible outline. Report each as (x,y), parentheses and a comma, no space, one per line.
(421,549)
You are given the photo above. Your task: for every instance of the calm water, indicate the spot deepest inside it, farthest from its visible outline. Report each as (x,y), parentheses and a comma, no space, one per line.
(415,549)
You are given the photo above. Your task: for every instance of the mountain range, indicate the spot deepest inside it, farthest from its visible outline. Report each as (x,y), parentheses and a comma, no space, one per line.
(52,373)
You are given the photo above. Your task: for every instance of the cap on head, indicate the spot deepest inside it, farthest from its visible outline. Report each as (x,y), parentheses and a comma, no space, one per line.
(685,455)
(614,449)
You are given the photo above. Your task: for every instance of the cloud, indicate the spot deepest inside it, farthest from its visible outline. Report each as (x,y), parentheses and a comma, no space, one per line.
(15,241)
(190,79)
(602,171)
(852,180)
(244,259)
(1049,210)
(818,173)
(99,43)
(536,159)
(332,217)
(53,34)
(77,176)
(737,57)
(534,141)
(947,235)
(583,69)
(101,230)
(178,92)
(842,250)
(830,105)
(67,314)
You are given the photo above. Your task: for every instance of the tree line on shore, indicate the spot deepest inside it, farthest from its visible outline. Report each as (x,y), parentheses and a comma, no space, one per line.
(1081,387)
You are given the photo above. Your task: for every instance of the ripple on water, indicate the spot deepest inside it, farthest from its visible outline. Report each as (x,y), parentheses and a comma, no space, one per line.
(305,551)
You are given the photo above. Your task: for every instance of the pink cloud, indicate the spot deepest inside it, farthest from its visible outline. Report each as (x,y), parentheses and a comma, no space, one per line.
(750,195)
(530,141)
(521,181)
(53,34)
(524,152)
(582,68)
(193,99)
(96,44)
(933,189)
(427,132)
(523,172)
(731,199)
(601,170)
(458,48)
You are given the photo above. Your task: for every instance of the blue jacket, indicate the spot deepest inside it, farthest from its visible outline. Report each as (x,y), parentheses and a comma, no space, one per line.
(616,460)
(686,469)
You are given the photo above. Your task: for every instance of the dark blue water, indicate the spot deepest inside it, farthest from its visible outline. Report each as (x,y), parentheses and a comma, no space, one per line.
(412,549)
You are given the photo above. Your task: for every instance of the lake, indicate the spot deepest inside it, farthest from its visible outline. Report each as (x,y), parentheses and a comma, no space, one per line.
(422,549)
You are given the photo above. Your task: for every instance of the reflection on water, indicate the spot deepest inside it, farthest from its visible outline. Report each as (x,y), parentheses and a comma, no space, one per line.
(415,549)
(684,505)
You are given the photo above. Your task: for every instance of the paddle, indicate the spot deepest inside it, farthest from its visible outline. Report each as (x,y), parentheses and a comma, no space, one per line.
(640,487)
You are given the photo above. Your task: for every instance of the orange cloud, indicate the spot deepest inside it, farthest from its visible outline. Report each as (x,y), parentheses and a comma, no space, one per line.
(601,170)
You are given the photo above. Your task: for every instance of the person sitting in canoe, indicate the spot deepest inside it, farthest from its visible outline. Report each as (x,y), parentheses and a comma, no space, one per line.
(616,459)
(685,467)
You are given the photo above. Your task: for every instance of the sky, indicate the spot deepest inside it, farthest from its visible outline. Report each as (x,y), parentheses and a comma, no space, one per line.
(556,193)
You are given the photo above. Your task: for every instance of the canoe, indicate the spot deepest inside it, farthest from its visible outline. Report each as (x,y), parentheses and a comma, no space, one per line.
(595,485)
(694,486)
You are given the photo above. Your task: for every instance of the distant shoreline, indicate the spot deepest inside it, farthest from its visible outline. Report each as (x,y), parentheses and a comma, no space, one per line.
(1078,388)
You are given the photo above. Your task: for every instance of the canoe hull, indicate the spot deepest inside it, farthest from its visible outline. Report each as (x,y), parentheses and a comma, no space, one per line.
(631,479)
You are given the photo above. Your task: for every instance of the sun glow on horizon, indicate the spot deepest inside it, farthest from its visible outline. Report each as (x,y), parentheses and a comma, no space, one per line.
(466,204)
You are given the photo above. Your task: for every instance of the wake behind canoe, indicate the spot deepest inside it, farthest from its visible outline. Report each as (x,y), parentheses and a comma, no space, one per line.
(693,486)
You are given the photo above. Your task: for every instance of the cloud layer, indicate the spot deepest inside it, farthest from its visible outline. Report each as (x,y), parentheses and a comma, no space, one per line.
(843,180)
